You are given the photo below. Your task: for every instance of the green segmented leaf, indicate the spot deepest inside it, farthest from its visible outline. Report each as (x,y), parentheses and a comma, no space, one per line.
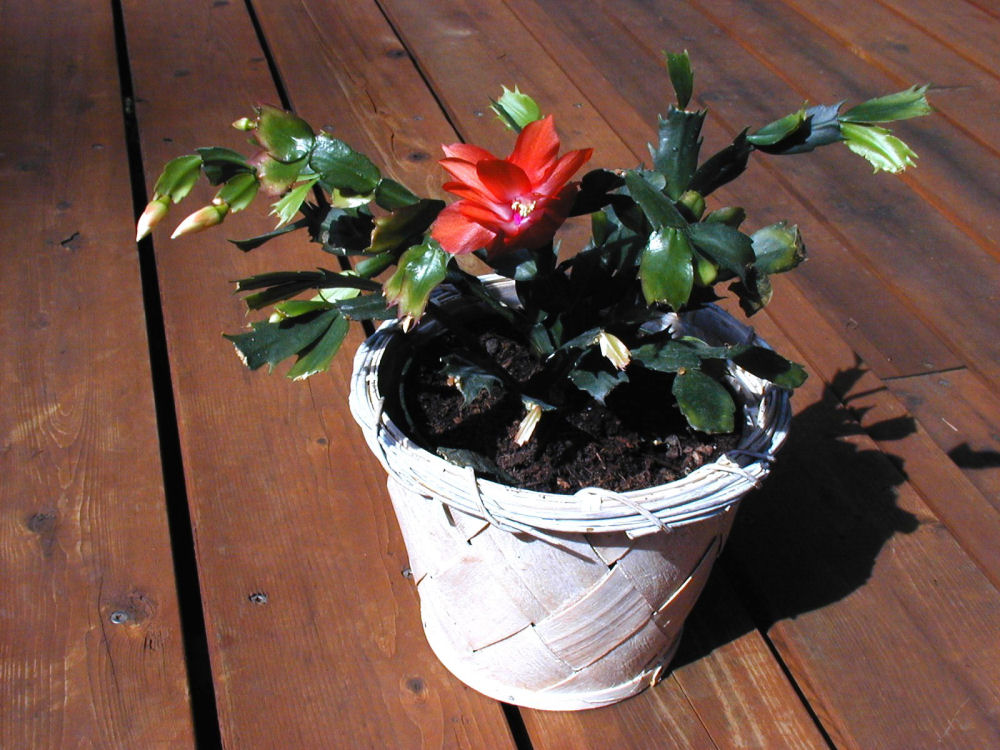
(268,343)
(418,273)
(293,308)
(657,207)
(599,382)
(728,247)
(285,136)
(221,163)
(669,356)
(251,243)
(769,365)
(902,105)
(731,216)
(278,176)
(289,205)
(681,76)
(367,307)
(404,225)
(666,272)
(178,177)
(724,166)
(239,191)
(778,248)
(515,109)
(820,127)
(705,403)
(878,146)
(342,168)
(469,378)
(778,130)
(321,354)
(676,154)
(391,195)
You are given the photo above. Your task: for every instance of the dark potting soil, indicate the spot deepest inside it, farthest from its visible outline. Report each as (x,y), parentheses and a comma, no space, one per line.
(637,439)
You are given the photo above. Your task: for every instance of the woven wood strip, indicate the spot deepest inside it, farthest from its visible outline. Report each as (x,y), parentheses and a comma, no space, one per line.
(561,601)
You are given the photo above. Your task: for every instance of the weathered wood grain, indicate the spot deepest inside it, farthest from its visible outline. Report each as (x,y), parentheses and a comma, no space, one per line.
(314,630)
(852,295)
(928,271)
(961,414)
(826,625)
(472,33)
(860,588)
(91,652)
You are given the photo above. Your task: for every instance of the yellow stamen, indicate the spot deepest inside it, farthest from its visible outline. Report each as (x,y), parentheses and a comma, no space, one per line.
(523,208)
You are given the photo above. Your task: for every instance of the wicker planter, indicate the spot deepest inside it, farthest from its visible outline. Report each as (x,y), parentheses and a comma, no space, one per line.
(559,602)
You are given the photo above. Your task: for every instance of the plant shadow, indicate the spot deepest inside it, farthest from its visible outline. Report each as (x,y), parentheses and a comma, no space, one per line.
(966,458)
(811,535)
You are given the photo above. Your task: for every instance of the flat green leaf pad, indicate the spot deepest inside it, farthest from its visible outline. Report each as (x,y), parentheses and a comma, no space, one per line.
(704,402)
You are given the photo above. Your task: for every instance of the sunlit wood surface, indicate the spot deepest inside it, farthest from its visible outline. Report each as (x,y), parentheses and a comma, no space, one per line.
(192,554)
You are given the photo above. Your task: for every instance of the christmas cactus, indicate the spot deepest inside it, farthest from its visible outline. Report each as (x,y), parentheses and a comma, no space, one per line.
(591,319)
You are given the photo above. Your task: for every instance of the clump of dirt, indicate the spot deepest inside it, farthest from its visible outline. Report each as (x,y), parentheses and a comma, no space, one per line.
(637,439)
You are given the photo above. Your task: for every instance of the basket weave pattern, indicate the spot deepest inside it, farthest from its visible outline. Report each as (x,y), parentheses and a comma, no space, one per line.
(555,601)
(578,623)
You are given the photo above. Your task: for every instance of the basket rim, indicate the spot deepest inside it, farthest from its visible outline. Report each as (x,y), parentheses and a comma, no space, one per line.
(711,489)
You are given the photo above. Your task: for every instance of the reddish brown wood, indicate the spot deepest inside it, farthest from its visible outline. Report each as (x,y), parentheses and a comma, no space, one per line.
(383,108)
(851,294)
(731,679)
(965,510)
(869,563)
(851,548)
(961,414)
(470,34)
(886,230)
(91,653)
(967,30)
(813,63)
(314,630)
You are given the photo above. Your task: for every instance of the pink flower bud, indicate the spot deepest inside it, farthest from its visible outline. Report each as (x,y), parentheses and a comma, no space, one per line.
(201,219)
(155,210)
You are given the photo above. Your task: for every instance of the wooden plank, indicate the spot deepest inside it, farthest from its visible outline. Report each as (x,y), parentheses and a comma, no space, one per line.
(314,630)
(91,651)
(727,671)
(816,62)
(881,226)
(489,40)
(851,295)
(832,570)
(967,513)
(383,108)
(853,570)
(969,29)
(961,414)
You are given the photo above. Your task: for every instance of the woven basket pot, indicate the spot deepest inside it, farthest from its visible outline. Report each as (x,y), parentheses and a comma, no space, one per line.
(559,602)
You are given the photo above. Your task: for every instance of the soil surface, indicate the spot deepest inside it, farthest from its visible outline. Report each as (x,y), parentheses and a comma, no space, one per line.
(637,439)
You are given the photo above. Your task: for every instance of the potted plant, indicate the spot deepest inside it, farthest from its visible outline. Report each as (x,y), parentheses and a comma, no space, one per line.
(567,438)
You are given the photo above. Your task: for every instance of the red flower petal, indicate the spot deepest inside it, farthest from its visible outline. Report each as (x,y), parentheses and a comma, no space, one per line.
(457,234)
(472,194)
(536,149)
(564,169)
(463,171)
(506,181)
(486,215)
(467,152)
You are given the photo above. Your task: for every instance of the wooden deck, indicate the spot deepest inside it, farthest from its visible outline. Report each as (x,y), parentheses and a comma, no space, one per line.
(195,555)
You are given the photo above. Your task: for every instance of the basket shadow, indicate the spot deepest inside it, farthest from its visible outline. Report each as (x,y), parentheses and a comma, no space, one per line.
(811,535)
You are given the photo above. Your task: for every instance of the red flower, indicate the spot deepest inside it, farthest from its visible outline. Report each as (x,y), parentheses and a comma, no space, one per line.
(517,202)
